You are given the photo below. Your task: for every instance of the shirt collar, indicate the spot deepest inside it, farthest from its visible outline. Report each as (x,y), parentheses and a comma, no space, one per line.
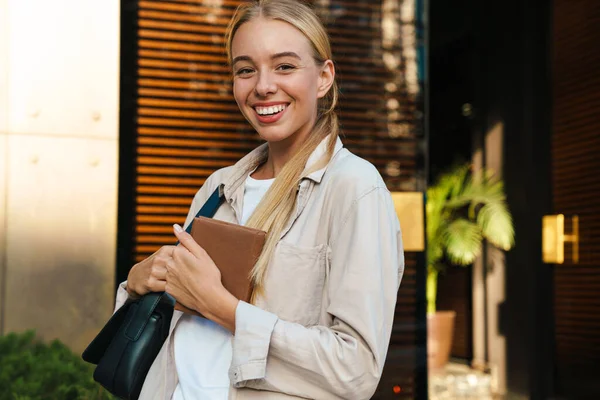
(316,155)
(252,160)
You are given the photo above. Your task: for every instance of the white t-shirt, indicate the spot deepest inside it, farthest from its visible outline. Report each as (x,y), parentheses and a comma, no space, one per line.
(202,347)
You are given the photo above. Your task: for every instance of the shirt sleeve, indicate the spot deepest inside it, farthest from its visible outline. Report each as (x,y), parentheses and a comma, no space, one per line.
(123,296)
(344,360)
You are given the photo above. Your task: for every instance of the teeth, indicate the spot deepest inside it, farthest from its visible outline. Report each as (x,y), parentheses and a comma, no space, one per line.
(270,110)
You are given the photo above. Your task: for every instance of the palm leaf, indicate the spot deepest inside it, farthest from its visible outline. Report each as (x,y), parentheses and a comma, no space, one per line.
(435,249)
(462,240)
(496,225)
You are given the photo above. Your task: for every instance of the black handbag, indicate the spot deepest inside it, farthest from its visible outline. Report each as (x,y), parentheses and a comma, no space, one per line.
(126,347)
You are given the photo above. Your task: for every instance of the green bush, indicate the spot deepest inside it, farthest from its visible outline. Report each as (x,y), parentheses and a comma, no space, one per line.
(33,370)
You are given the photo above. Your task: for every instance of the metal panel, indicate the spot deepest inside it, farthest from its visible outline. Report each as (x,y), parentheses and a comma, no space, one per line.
(3,140)
(3,164)
(64,67)
(410,211)
(61,230)
(3,67)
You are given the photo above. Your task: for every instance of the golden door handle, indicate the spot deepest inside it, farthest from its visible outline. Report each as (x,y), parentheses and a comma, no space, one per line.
(411,213)
(554,238)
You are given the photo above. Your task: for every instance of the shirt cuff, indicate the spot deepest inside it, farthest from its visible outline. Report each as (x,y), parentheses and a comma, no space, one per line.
(253,330)
(123,296)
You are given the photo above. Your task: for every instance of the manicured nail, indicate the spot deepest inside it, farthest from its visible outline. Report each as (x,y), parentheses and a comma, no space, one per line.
(177,228)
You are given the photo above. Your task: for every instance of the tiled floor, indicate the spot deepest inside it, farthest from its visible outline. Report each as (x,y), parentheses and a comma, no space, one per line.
(458,382)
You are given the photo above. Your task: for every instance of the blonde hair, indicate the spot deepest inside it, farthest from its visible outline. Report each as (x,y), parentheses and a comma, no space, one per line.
(279,203)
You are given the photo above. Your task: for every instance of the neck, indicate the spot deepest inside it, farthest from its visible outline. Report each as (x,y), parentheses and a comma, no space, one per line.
(280,153)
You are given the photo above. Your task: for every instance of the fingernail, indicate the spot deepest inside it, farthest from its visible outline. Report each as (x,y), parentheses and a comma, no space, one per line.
(177,228)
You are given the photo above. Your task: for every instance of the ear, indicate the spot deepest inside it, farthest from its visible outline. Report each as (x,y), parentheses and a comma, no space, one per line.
(326,78)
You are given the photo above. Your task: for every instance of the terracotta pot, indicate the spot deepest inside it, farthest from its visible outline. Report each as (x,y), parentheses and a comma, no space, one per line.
(440,329)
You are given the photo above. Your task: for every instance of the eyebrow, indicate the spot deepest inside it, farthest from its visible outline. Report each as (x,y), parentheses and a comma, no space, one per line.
(273,57)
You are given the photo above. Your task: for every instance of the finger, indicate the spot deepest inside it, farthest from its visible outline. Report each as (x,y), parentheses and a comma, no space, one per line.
(167,251)
(171,276)
(169,289)
(187,241)
(157,286)
(159,272)
(182,256)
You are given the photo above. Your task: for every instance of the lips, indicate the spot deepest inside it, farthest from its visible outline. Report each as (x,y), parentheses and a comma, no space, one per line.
(268,113)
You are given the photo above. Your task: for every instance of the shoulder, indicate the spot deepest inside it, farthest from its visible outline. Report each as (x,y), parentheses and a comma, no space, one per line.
(349,184)
(218,177)
(352,175)
(210,184)
(354,194)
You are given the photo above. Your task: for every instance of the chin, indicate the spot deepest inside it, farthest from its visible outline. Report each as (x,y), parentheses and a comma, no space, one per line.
(273,134)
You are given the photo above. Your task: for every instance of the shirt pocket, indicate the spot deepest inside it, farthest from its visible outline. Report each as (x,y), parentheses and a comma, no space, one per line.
(294,289)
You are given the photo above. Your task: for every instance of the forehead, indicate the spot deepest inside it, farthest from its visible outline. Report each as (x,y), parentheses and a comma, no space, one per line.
(261,38)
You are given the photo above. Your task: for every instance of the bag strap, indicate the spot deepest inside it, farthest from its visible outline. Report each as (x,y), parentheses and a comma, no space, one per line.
(209,208)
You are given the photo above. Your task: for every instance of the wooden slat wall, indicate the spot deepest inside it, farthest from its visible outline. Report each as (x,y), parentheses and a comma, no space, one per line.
(188,126)
(576,180)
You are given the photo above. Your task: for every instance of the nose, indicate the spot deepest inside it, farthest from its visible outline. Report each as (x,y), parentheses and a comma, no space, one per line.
(265,85)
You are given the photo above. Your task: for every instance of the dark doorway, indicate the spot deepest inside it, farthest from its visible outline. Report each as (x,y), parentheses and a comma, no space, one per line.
(451,117)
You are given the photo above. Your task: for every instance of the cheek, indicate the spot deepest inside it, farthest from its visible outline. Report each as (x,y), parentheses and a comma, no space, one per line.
(305,88)
(307,95)
(240,91)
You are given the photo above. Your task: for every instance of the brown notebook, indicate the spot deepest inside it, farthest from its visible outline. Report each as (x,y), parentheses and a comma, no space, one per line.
(234,249)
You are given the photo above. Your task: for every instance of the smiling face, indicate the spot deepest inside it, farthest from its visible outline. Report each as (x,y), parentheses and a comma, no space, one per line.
(276,80)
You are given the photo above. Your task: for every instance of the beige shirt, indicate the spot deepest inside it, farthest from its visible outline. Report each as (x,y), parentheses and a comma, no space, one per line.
(323,327)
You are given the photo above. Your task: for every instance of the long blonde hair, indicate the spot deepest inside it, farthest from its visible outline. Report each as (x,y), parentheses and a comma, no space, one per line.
(279,203)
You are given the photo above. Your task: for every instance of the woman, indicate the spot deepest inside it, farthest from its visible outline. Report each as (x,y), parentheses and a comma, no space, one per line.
(325,285)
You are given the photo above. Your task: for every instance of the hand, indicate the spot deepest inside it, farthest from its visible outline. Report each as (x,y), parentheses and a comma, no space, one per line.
(150,275)
(194,281)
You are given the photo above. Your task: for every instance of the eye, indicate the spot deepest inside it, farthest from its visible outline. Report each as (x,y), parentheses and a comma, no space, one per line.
(285,67)
(244,71)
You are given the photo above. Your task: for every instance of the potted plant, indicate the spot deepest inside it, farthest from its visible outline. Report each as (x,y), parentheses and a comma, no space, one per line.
(463,208)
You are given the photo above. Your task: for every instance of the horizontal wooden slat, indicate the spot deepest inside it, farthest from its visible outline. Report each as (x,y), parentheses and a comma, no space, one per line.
(214,39)
(205,105)
(192,18)
(177,46)
(153,54)
(184,65)
(189,123)
(146,22)
(222,90)
(197,76)
(172,137)
(171,161)
(170,181)
(177,113)
(149,92)
(167,190)
(191,171)
(210,16)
